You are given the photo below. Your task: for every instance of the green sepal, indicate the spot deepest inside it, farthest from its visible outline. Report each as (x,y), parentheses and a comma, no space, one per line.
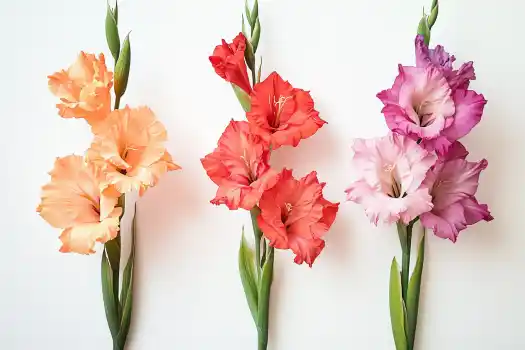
(121,75)
(248,276)
(110,303)
(243,97)
(112,36)
(414,288)
(397,308)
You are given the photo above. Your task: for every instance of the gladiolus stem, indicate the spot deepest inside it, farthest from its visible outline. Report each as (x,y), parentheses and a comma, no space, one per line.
(258,236)
(405,238)
(117,102)
(253,77)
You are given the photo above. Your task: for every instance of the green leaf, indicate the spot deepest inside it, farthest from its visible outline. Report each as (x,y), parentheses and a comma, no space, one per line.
(424,30)
(112,36)
(264,299)
(397,308)
(126,298)
(247,11)
(243,97)
(259,72)
(256,35)
(110,303)
(121,74)
(414,287)
(248,275)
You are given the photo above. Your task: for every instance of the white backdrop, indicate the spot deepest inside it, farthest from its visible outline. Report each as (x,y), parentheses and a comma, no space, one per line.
(188,294)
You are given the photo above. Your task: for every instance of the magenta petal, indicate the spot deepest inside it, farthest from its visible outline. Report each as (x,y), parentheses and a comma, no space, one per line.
(469,109)
(475,212)
(455,151)
(437,56)
(460,79)
(446,223)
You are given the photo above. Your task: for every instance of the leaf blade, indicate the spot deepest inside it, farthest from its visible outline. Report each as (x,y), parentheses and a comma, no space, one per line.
(110,304)
(397,308)
(248,276)
(414,288)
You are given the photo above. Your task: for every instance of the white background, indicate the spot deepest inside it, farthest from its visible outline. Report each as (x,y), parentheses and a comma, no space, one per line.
(188,294)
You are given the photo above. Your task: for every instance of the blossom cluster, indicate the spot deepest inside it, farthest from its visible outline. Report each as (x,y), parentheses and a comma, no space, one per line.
(293,213)
(420,169)
(127,154)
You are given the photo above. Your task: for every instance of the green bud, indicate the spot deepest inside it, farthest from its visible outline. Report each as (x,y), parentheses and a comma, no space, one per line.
(255,14)
(247,11)
(122,69)
(434,4)
(249,55)
(256,35)
(112,36)
(243,97)
(424,30)
(433,15)
(115,12)
(244,28)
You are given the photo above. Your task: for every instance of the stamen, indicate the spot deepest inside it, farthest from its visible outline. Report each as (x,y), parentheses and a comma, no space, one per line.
(280,106)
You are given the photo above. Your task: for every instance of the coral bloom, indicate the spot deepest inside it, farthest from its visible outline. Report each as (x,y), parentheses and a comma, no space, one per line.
(130,145)
(84,89)
(281,114)
(430,102)
(391,170)
(453,182)
(78,201)
(228,62)
(239,166)
(295,215)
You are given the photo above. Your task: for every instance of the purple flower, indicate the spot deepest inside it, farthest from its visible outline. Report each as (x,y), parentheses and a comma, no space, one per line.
(431,102)
(453,182)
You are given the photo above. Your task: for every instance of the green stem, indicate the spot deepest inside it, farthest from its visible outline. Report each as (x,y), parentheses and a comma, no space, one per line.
(263,311)
(116,346)
(253,76)
(117,102)
(254,213)
(405,238)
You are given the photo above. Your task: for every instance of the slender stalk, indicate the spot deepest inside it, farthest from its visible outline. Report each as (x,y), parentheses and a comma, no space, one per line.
(117,102)
(405,239)
(253,76)
(257,235)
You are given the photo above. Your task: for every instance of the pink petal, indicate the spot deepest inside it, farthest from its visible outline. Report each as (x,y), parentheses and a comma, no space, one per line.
(446,223)
(469,109)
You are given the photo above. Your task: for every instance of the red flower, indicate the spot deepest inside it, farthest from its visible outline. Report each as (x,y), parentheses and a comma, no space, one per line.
(281,114)
(239,166)
(229,64)
(295,215)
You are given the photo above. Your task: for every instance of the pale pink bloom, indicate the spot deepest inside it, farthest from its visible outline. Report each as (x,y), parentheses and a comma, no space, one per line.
(391,170)
(453,182)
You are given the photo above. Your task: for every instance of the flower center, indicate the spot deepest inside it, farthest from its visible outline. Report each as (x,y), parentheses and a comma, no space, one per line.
(251,176)
(285,212)
(279,106)
(395,190)
(425,118)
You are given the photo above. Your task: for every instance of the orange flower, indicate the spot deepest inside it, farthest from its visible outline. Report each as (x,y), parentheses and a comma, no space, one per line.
(281,114)
(129,144)
(77,201)
(84,89)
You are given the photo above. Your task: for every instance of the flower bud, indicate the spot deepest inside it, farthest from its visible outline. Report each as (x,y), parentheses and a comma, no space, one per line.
(243,97)
(122,69)
(424,30)
(256,35)
(112,36)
